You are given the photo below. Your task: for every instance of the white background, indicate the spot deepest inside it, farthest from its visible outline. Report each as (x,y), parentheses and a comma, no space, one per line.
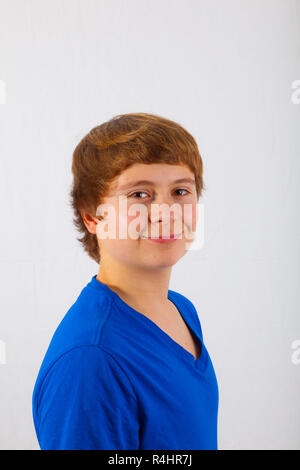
(223,69)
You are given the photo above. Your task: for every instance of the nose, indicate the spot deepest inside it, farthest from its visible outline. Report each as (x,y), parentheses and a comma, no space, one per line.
(160,210)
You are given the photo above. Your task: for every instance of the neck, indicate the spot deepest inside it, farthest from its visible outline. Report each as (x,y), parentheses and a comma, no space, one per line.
(137,286)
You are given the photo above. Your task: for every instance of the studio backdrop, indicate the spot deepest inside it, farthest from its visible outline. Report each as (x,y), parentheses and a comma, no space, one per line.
(229,72)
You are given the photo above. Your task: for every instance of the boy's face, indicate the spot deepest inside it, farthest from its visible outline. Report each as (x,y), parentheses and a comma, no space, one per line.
(138,223)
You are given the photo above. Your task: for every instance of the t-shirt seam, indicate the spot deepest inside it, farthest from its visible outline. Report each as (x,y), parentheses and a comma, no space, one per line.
(129,381)
(102,326)
(72,349)
(108,310)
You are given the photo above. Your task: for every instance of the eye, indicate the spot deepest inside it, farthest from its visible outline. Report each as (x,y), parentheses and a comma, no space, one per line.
(181,189)
(143,192)
(137,192)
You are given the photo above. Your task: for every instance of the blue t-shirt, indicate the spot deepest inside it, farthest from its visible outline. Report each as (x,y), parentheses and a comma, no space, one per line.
(113,379)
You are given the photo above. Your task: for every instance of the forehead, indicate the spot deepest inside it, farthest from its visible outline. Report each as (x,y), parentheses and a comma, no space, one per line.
(155,173)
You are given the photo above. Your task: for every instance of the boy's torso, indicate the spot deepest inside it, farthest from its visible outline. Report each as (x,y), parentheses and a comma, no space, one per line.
(178,395)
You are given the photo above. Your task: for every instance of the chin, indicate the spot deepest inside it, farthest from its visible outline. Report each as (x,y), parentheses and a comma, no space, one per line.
(166,261)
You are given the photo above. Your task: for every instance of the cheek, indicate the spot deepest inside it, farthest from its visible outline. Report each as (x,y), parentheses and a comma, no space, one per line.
(129,225)
(190,215)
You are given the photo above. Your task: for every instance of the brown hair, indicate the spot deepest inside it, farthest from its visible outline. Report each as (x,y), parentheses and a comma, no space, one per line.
(110,148)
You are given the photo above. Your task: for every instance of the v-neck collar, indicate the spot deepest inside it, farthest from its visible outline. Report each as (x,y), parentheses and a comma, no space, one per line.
(200,363)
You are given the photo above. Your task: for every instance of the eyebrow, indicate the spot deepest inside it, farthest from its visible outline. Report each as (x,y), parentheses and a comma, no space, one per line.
(151,183)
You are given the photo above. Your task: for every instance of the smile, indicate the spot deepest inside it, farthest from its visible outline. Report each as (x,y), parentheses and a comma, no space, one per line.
(167,239)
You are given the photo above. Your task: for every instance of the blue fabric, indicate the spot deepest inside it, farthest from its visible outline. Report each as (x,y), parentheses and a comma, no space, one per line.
(113,379)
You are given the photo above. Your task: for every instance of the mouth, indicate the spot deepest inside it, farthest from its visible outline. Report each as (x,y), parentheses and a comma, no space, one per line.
(172,237)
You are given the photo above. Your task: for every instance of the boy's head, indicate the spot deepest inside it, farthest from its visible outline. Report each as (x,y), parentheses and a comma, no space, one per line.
(114,155)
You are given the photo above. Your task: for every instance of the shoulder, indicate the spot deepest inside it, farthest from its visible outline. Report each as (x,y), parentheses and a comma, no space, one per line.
(81,328)
(84,321)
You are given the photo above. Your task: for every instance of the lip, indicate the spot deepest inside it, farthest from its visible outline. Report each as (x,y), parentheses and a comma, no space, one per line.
(171,238)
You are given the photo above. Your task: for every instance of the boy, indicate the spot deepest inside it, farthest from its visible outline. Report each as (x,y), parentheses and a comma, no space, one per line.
(127,367)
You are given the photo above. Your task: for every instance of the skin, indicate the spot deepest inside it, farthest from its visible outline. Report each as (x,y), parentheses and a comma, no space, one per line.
(139,270)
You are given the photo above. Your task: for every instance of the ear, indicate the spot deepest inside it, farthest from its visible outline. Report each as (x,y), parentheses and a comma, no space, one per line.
(89,221)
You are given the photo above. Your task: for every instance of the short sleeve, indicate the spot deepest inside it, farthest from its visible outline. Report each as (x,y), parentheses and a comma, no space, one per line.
(86,401)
